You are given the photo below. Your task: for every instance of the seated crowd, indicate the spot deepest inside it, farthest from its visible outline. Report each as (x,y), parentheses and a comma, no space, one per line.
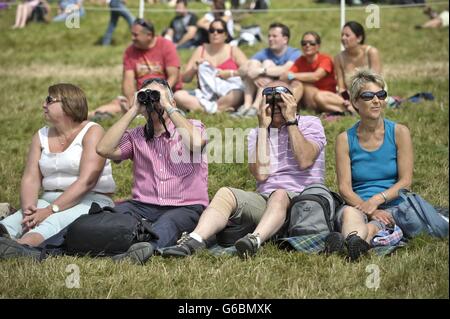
(69,159)
(227,81)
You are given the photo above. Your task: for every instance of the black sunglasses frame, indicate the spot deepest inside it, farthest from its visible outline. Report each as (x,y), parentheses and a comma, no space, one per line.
(214,30)
(50,100)
(368,95)
(311,43)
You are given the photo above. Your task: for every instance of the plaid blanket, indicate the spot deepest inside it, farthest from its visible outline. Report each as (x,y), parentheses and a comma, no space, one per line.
(307,244)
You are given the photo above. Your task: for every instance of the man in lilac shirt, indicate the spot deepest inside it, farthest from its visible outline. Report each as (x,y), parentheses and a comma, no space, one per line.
(170,187)
(286,152)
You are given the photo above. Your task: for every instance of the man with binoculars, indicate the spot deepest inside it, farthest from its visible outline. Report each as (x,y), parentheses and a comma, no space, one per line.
(170,174)
(286,153)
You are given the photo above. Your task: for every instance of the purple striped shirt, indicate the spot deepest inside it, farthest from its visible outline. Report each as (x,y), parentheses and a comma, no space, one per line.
(160,180)
(284,170)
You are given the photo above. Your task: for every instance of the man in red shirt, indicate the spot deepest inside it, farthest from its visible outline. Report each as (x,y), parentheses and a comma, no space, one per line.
(148,57)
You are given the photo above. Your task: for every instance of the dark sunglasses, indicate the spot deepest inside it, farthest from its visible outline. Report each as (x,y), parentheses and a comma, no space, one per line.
(157,80)
(213,30)
(368,96)
(275,90)
(144,24)
(305,43)
(50,100)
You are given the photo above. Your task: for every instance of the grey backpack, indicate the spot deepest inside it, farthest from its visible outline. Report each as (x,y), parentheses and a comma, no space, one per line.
(313,211)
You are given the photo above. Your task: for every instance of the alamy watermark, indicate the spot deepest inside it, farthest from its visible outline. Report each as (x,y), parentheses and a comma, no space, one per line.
(73,17)
(73,280)
(373,19)
(227,146)
(373,280)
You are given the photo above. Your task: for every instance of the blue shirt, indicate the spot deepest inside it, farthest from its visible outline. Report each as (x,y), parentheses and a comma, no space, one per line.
(291,54)
(374,171)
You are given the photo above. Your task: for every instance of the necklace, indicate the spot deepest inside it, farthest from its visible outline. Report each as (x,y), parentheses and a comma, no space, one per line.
(63,142)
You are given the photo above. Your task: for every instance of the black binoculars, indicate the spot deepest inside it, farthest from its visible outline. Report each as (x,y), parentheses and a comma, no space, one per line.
(148,97)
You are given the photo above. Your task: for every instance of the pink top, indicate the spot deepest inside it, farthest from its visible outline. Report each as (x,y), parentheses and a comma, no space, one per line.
(228,64)
(165,172)
(284,170)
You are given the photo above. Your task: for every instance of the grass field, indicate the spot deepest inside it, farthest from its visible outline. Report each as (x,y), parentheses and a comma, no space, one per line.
(413,60)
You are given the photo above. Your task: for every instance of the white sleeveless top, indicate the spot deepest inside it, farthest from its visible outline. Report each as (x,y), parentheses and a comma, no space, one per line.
(60,170)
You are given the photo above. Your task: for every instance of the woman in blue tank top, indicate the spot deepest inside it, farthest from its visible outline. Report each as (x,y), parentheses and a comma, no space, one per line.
(374,160)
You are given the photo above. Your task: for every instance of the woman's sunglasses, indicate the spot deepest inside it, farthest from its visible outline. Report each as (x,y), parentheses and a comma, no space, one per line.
(50,100)
(276,89)
(368,96)
(305,43)
(213,30)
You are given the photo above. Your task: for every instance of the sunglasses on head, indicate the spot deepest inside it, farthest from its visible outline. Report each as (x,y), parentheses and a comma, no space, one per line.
(50,100)
(157,80)
(305,43)
(213,30)
(276,90)
(368,96)
(143,24)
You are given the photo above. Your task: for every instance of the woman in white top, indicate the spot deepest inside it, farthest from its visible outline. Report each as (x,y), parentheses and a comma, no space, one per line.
(63,161)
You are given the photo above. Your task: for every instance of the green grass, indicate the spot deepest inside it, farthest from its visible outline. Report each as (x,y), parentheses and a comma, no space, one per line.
(414,61)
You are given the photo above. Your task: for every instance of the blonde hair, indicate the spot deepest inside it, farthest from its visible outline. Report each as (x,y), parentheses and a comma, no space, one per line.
(360,78)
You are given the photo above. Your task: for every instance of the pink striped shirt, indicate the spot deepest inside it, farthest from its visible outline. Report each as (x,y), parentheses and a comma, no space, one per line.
(158,179)
(284,170)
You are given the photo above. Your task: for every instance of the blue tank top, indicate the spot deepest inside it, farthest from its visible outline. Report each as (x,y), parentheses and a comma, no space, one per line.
(374,171)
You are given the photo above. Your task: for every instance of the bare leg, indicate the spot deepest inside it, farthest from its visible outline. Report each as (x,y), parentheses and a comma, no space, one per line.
(329,102)
(433,23)
(353,220)
(250,87)
(187,101)
(31,239)
(26,12)
(18,16)
(231,101)
(274,215)
(112,107)
(307,99)
(216,215)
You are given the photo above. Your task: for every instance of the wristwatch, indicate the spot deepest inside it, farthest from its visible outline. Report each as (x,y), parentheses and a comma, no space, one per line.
(55,208)
(292,122)
(290,76)
(174,109)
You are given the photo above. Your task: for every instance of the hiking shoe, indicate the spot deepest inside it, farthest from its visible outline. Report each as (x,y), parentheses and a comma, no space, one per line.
(4,231)
(242,110)
(138,253)
(356,246)
(334,243)
(251,112)
(186,246)
(247,246)
(10,248)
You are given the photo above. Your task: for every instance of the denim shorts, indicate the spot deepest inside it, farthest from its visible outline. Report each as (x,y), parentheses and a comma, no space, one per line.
(340,213)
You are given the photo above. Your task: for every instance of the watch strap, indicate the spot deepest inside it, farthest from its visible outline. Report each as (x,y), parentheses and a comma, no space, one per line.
(292,122)
(174,109)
